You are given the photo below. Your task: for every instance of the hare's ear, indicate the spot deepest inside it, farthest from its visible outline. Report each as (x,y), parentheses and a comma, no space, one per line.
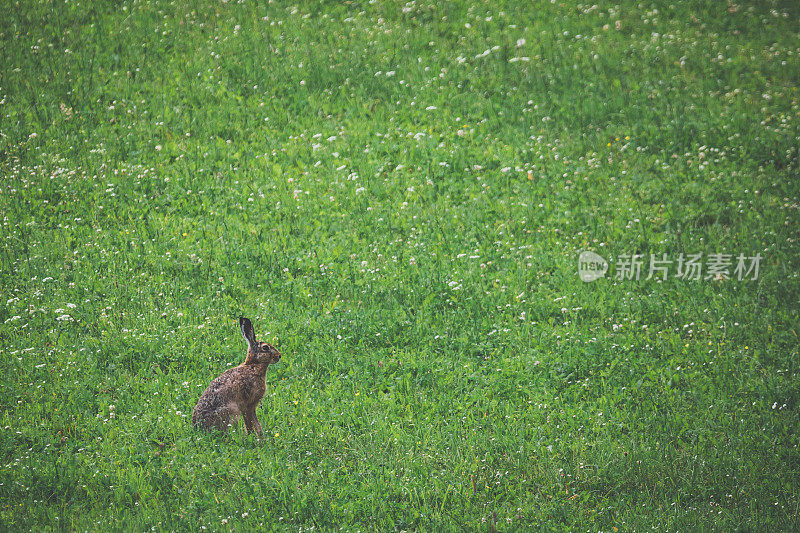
(247,332)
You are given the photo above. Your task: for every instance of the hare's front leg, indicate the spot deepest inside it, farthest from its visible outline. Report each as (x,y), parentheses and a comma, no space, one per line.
(248,416)
(251,421)
(257,424)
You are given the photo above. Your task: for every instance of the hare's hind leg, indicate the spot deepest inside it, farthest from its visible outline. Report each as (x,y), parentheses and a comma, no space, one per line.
(228,416)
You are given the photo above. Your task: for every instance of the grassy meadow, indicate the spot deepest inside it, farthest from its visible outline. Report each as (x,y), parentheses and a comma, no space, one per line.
(397,194)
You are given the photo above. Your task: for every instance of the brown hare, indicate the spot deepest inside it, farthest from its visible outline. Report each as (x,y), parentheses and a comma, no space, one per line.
(238,391)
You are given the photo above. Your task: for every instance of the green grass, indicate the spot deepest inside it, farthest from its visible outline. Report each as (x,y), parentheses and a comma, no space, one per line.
(396,195)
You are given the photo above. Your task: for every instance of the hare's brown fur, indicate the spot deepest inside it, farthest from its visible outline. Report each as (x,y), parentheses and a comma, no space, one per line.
(238,391)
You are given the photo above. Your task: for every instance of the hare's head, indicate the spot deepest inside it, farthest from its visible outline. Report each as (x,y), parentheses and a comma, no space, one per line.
(258,352)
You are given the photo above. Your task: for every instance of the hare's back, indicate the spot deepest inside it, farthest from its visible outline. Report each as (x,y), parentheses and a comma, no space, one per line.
(219,389)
